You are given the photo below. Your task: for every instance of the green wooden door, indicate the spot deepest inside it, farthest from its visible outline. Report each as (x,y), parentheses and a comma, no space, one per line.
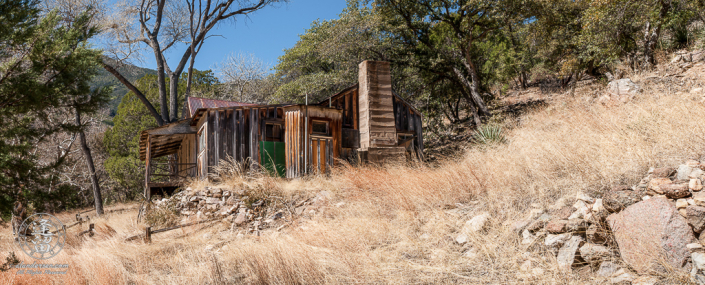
(273,156)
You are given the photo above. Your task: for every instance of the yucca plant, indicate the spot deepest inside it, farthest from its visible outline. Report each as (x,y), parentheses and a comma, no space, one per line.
(489,134)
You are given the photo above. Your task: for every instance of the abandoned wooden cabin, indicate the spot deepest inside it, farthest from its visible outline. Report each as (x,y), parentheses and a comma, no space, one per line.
(366,122)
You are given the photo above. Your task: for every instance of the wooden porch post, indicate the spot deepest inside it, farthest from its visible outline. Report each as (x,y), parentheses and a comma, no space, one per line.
(147,174)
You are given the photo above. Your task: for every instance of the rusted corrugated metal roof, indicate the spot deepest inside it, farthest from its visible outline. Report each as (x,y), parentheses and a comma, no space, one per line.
(195,103)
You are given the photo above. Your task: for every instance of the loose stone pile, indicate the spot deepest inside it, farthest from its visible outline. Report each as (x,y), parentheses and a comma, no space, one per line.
(652,226)
(235,206)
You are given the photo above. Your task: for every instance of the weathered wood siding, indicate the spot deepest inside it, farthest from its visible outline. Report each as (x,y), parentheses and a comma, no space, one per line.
(235,132)
(408,121)
(376,104)
(321,151)
(187,153)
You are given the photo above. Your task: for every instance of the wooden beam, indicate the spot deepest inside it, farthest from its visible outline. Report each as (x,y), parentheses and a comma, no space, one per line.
(148,164)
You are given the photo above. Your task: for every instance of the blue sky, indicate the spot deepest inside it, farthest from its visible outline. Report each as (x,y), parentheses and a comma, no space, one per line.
(266,33)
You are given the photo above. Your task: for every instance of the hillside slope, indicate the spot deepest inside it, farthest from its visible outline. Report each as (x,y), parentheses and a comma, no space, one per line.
(105,78)
(413,224)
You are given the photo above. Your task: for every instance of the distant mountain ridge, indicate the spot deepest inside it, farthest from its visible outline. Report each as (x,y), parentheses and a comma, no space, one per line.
(105,78)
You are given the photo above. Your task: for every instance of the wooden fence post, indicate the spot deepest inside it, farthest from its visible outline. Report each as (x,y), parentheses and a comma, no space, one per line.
(148,235)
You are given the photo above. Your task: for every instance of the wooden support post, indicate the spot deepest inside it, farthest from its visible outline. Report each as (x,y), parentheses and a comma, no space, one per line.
(147,174)
(148,235)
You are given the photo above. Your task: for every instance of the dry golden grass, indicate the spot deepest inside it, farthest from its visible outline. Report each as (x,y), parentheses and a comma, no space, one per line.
(398,224)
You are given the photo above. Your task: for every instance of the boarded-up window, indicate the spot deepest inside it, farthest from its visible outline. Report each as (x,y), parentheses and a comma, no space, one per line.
(320,127)
(273,132)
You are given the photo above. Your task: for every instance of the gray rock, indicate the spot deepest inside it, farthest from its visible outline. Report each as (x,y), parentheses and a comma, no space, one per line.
(520,225)
(576,225)
(556,241)
(624,86)
(615,201)
(595,234)
(594,254)
(684,172)
(696,217)
(566,255)
(476,224)
(696,173)
(608,269)
(212,201)
(650,232)
(563,213)
(696,273)
(240,218)
(663,172)
(622,275)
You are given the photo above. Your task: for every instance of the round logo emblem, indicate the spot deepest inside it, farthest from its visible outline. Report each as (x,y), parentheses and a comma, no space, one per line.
(41,236)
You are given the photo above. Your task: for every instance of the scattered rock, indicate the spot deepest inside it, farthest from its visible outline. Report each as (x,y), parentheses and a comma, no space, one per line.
(535,213)
(681,203)
(684,172)
(240,218)
(695,184)
(693,247)
(650,231)
(595,234)
(563,213)
(594,254)
(622,275)
(584,197)
(663,172)
(675,190)
(557,226)
(655,185)
(566,255)
(699,198)
(581,209)
(473,225)
(624,86)
(615,201)
(520,225)
(556,241)
(576,225)
(607,269)
(536,225)
(527,237)
(696,217)
(696,173)
(696,274)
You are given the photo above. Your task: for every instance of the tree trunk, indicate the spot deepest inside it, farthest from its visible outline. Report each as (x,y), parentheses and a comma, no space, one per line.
(136,91)
(474,96)
(173,95)
(91,167)
(161,80)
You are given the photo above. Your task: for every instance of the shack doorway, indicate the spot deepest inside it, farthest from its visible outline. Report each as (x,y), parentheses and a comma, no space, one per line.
(273,156)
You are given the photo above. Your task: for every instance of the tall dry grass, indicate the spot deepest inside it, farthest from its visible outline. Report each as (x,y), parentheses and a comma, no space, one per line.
(397,224)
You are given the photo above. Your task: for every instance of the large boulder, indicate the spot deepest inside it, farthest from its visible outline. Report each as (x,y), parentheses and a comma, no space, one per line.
(623,87)
(652,233)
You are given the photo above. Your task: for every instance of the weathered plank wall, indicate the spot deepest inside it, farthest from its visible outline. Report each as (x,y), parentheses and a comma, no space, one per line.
(408,121)
(321,150)
(236,132)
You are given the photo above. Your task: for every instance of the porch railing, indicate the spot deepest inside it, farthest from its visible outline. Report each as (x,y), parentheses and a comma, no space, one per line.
(171,171)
